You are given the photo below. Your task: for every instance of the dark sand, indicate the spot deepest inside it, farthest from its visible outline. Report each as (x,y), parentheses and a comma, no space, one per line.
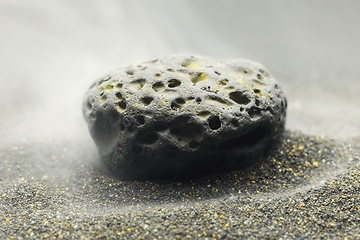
(53,185)
(307,187)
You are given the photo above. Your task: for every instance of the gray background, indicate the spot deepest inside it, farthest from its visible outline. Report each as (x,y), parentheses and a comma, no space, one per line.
(51,51)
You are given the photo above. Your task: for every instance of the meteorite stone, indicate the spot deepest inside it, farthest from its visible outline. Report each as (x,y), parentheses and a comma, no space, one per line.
(183,114)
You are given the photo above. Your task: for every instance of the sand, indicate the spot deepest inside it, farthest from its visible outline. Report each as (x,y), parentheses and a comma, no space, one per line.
(307,187)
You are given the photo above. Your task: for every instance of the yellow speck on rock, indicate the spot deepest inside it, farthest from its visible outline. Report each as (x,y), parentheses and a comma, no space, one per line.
(192,64)
(101,88)
(109,87)
(199,77)
(163,100)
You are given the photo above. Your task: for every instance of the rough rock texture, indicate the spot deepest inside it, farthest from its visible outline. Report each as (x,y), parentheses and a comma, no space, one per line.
(182,114)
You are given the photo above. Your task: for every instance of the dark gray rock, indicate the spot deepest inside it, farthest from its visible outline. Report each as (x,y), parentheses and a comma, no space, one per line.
(183,114)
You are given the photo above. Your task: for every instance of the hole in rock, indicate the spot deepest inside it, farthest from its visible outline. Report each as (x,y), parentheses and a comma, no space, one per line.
(239,97)
(118,95)
(271,110)
(257,91)
(254,112)
(180,100)
(258,84)
(109,87)
(103,80)
(175,106)
(122,105)
(259,76)
(147,100)
(141,119)
(217,99)
(204,114)
(234,123)
(214,122)
(182,70)
(198,100)
(158,86)
(264,72)
(138,84)
(172,83)
(194,144)
(88,105)
(177,103)
(230,88)
(119,85)
(130,72)
(103,98)
(147,137)
(160,126)
(199,77)
(223,82)
(182,119)
(248,139)
(122,127)
(186,62)
(185,132)
(282,104)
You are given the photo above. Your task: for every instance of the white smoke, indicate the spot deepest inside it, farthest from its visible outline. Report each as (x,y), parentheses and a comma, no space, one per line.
(51,51)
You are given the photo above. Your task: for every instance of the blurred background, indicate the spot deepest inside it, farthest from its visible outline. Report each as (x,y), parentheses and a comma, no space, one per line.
(51,51)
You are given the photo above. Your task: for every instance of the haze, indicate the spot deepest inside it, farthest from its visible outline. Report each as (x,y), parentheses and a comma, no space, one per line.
(51,51)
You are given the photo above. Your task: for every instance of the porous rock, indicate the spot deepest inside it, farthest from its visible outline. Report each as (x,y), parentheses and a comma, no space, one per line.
(183,114)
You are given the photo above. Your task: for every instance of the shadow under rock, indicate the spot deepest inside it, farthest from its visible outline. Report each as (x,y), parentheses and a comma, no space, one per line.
(73,171)
(296,162)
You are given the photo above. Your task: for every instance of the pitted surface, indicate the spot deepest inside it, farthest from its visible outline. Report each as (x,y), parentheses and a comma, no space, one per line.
(179,114)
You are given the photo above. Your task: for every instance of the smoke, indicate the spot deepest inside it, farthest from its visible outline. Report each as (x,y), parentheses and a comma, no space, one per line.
(52,51)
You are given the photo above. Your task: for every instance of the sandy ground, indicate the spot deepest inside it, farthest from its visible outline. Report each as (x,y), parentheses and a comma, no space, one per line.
(52,183)
(307,188)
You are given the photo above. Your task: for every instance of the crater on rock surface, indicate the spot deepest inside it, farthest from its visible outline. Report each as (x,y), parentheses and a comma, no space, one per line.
(184,114)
